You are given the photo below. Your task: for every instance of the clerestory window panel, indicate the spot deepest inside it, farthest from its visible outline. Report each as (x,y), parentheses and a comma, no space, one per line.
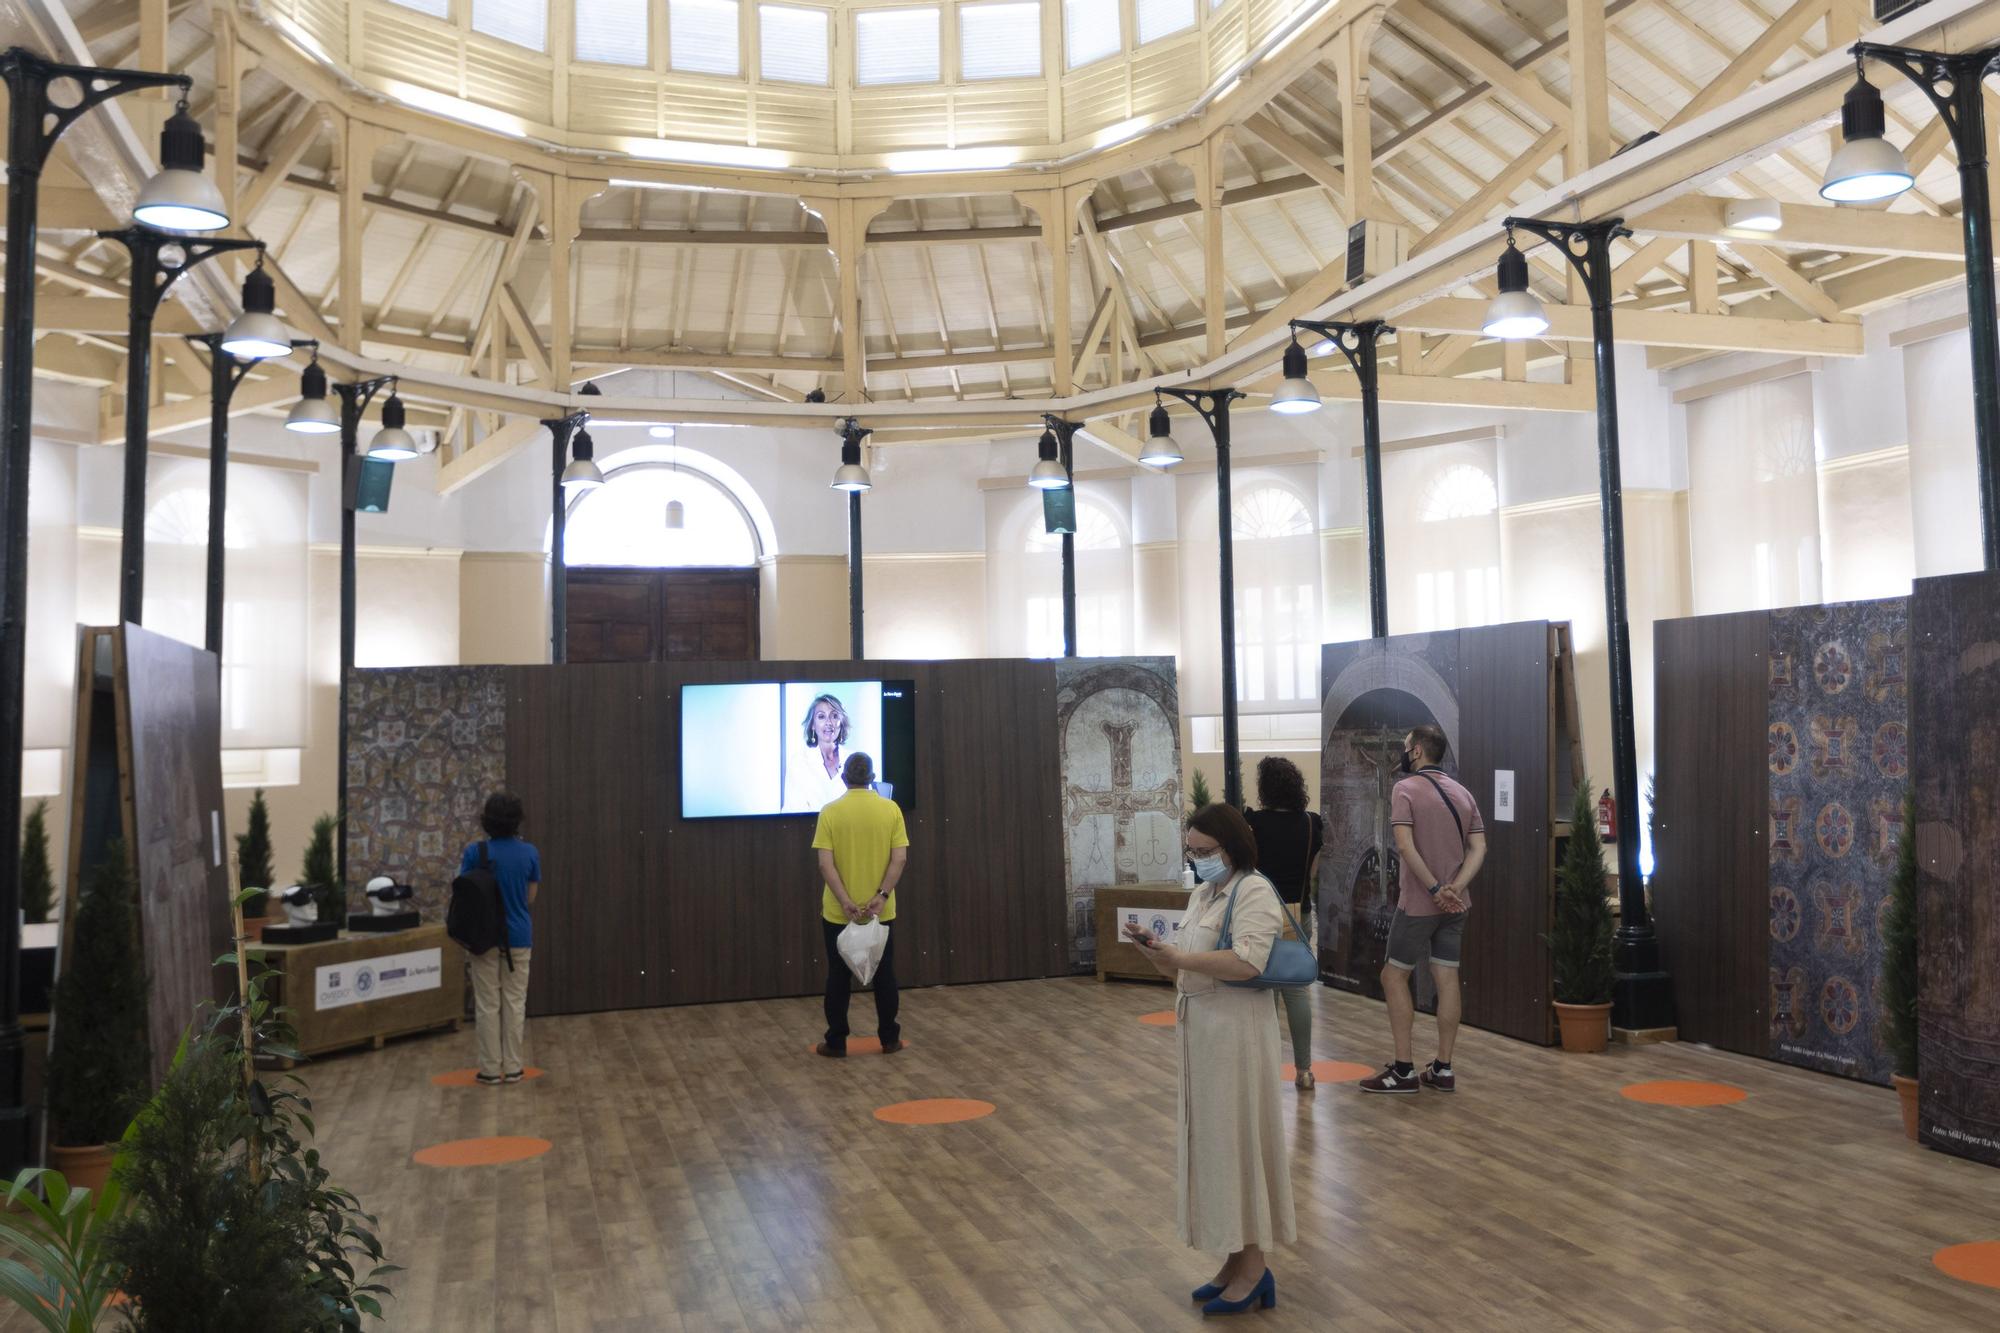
(1000,41)
(793,44)
(895,46)
(613,32)
(702,37)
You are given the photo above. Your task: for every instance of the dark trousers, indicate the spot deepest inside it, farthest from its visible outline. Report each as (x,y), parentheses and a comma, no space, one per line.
(840,986)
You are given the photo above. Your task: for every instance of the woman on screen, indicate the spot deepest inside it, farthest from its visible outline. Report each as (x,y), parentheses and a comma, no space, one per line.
(813,779)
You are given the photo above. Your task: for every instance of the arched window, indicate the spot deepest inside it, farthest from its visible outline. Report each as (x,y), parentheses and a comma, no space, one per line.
(1460,491)
(1103,586)
(626,521)
(1277,595)
(1445,572)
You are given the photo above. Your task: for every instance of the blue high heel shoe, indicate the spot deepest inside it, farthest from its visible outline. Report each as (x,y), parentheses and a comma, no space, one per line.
(1264,1295)
(1207,1291)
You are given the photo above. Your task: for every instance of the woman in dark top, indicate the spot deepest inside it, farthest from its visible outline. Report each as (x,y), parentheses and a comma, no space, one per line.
(1289,839)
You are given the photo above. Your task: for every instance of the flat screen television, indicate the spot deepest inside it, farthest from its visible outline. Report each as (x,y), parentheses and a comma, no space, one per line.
(778,748)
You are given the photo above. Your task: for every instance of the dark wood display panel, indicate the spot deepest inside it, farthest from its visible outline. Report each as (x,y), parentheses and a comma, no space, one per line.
(661,615)
(1712,808)
(643,908)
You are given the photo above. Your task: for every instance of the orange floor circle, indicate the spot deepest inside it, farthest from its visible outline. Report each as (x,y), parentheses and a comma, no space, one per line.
(934,1111)
(862,1046)
(1682,1092)
(466,1078)
(1333,1071)
(1163,1019)
(1978,1262)
(482,1152)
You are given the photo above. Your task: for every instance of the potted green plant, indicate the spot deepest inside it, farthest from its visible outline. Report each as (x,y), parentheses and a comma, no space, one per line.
(1580,943)
(253,856)
(61,1273)
(98,1055)
(38,885)
(1198,791)
(1899,969)
(318,872)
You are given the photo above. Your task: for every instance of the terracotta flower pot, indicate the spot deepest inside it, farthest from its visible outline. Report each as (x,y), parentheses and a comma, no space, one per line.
(1906,1091)
(1586,1028)
(84,1168)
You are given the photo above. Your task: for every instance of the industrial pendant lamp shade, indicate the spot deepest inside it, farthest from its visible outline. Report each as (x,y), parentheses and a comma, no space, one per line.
(1866,167)
(851,476)
(1048,474)
(583,474)
(180,198)
(1515,312)
(256,334)
(1160,450)
(392,443)
(312,414)
(1297,393)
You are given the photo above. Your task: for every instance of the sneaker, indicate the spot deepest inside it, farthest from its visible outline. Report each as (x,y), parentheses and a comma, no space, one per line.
(1390,1081)
(1442,1080)
(514,1077)
(487,1080)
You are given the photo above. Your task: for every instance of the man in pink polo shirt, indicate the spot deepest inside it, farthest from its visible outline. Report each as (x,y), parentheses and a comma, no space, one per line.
(1441,842)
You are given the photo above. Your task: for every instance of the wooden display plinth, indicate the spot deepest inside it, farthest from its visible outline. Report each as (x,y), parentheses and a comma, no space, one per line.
(1115,956)
(363,989)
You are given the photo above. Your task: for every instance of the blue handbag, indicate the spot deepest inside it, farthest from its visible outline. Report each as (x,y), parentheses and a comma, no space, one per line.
(1291,964)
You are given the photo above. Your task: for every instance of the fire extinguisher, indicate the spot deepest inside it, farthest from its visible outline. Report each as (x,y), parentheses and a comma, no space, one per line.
(1607,817)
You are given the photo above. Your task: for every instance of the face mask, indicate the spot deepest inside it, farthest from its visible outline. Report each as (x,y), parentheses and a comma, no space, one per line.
(1208,869)
(1408,765)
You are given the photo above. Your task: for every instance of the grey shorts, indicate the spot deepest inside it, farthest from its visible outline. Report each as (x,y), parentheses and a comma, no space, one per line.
(1411,937)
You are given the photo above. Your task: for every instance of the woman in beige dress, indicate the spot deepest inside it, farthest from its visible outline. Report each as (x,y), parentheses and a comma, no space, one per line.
(1235,1186)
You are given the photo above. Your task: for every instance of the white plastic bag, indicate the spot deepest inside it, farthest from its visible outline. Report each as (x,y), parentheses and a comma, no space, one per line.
(861,945)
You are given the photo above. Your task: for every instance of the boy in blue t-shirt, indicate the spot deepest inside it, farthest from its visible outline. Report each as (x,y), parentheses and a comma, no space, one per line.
(500,994)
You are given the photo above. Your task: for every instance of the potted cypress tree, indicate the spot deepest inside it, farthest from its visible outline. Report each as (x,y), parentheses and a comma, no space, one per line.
(1899,969)
(1581,940)
(318,872)
(98,1056)
(38,885)
(253,856)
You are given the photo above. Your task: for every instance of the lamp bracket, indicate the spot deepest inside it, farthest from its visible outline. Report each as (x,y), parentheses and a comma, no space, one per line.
(1587,245)
(564,426)
(1951,79)
(1065,431)
(159,259)
(354,400)
(1209,404)
(1356,342)
(28,77)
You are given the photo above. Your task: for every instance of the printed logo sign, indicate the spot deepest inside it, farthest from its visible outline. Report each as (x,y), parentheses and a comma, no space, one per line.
(377,978)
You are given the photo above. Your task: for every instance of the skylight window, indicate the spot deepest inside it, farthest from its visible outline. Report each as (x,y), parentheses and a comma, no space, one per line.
(1090,30)
(792,46)
(1002,41)
(702,37)
(895,46)
(1163,18)
(522,22)
(612,32)
(437,9)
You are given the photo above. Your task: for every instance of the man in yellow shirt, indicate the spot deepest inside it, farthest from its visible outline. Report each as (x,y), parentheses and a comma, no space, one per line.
(862,844)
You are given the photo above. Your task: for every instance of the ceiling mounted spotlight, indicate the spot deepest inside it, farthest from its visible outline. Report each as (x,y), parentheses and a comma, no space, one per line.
(179,197)
(1160,450)
(851,476)
(1760,214)
(1866,167)
(582,474)
(1515,312)
(256,334)
(393,443)
(815,395)
(313,414)
(1297,393)
(1048,473)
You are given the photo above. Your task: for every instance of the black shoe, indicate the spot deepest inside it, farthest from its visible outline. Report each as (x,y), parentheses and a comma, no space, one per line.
(830,1052)
(487,1080)
(514,1077)
(891,1047)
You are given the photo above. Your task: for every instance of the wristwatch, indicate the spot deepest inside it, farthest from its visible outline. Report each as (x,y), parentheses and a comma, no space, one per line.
(1435,888)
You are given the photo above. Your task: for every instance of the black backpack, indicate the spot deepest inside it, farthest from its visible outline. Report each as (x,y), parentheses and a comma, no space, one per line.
(476,917)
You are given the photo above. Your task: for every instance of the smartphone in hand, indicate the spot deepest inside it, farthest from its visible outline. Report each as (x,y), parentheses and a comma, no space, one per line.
(1139,935)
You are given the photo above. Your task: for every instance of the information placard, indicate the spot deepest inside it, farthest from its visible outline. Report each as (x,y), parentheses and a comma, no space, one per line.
(377,978)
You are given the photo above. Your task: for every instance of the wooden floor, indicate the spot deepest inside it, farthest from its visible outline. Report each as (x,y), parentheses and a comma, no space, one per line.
(709,1173)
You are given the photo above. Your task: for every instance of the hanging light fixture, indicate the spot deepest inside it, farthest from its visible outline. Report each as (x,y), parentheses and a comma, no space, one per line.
(850,476)
(393,443)
(1160,450)
(582,474)
(180,198)
(1048,473)
(256,334)
(312,414)
(1297,393)
(1866,167)
(1515,312)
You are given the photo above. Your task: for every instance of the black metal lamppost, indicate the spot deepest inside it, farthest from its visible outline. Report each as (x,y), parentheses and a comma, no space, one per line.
(158,261)
(566,475)
(853,478)
(1868,168)
(1055,470)
(178,196)
(226,371)
(1212,406)
(1357,342)
(1642,998)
